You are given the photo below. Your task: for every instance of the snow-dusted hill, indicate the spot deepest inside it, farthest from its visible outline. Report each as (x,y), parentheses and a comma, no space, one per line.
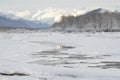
(99,10)
(95,20)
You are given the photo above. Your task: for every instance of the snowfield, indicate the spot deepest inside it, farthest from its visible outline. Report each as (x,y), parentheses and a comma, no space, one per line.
(59,56)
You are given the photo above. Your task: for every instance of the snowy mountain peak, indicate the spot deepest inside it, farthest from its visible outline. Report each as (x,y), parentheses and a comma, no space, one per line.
(9,15)
(100,10)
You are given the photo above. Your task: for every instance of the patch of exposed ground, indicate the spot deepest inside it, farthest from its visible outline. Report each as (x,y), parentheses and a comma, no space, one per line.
(14,74)
(107,65)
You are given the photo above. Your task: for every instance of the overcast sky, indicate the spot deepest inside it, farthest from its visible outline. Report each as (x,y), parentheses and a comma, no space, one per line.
(61,4)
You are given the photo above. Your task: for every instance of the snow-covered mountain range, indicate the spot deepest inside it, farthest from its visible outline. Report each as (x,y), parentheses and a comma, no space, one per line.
(48,15)
(10,20)
(40,18)
(35,19)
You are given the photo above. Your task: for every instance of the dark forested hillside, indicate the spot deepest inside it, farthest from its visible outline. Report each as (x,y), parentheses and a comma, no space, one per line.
(96,20)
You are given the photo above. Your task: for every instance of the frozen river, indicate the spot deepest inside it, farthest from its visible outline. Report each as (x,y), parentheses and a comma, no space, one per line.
(59,56)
